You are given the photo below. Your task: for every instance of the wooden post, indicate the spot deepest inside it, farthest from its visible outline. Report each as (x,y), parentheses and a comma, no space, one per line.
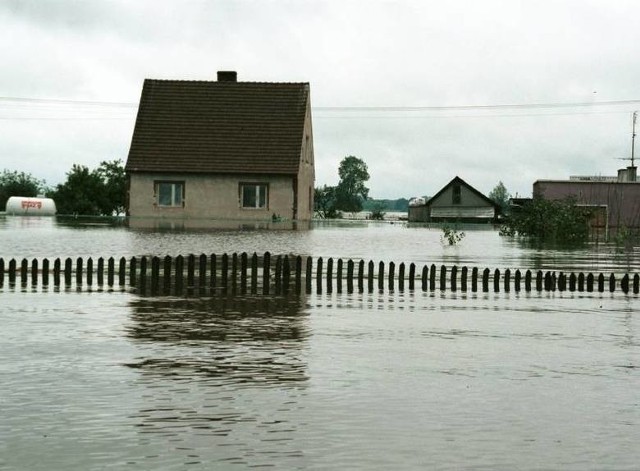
(79,264)
(202,272)
(539,281)
(34,272)
(12,272)
(432,277)
(266,275)
(496,281)
(517,281)
(361,276)
(636,283)
(1,272)
(454,278)
(213,279)
(56,273)
(286,274)
(308,275)
(191,271)
(547,281)
(412,277)
(224,276)
(381,276)
(155,275)
(179,276)
(600,283)
(329,275)
(45,272)
(234,272)
(624,283)
(464,273)
(425,278)
(298,274)
(507,280)
(474,279)
(581,282)
(133,267)
(401,276)
(254,273)
(166,274)
(562,282)
(89,272)
(339,275)
(612,283)
(319,275)
(350,267)
(392,269)
(485,280)
(68,269)
(100,272)
(111,272)
(143,274)
(122,272)
(527,281)
(278,274)
(370,273)
(572,282)
(590,279)
(243,272)
(24,270)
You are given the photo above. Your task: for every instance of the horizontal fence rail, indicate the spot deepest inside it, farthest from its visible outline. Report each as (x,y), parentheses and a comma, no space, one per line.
(284,274)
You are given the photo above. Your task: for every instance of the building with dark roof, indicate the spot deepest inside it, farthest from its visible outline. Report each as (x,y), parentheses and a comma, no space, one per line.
(222,149)
(457,201)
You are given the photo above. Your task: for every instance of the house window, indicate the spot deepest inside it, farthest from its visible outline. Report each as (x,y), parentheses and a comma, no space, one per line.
(254,195)
(169,194)
(456,195)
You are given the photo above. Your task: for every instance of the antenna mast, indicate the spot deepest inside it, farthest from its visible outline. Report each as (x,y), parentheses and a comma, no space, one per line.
(633,138)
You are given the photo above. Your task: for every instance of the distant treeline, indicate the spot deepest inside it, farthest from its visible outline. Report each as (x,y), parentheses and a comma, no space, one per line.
(371,204)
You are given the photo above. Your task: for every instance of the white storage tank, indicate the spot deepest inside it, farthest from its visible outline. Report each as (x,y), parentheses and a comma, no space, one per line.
(30,206)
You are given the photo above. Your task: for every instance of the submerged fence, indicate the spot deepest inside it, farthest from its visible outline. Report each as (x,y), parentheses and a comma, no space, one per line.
(284,274)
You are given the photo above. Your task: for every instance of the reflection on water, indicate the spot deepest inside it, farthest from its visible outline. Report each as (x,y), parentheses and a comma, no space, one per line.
(234,339)
(198,362)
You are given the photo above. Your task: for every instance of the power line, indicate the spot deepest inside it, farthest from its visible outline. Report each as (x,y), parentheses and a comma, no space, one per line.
(50,101)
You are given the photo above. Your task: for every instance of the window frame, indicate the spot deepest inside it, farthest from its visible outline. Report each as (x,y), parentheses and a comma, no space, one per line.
(257,186)
(174,184)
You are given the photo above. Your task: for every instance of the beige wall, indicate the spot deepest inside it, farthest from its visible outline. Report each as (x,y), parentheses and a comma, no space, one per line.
(306,174)
(211,196)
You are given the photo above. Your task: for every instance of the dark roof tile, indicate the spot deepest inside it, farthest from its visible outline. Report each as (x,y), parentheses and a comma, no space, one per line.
(219,127)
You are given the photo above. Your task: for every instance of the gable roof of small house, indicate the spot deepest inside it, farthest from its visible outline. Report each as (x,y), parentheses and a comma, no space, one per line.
(459,181)
(219,127)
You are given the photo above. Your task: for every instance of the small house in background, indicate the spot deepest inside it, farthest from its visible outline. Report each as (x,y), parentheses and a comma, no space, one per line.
(223,150)
(615,200)
(457,201)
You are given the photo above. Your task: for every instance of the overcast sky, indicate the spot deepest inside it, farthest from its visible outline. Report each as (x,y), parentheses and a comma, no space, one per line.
(435,73)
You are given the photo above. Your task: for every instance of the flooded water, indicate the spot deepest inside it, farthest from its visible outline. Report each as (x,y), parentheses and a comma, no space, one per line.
(411,380)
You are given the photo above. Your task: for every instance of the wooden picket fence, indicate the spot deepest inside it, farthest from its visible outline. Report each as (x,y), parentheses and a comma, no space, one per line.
(284,274)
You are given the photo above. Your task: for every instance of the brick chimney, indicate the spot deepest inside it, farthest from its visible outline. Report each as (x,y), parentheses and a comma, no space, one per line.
(227,76)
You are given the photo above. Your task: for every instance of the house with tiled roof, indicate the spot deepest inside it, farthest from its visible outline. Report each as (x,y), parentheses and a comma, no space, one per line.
(457,201)
(224,150)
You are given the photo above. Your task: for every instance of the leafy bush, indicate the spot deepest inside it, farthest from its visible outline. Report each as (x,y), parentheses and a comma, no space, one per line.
(560,221)
(451,235)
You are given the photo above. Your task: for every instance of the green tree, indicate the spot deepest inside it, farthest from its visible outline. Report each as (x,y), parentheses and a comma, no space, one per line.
(114,181)
(14,183)
(324,200)
(99,192)
(351,190)
(500,196)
